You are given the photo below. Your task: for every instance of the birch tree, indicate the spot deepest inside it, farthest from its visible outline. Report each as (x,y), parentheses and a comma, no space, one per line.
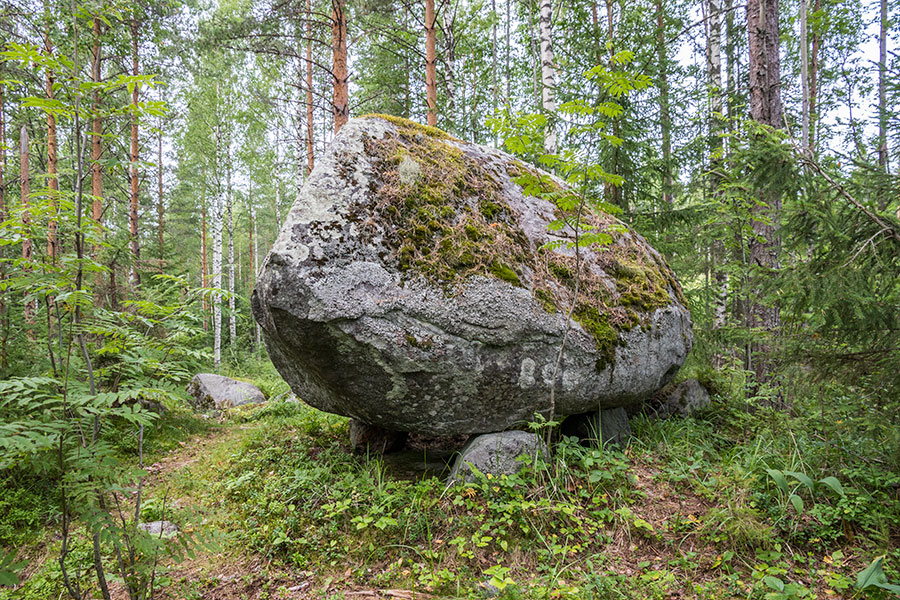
(548,77)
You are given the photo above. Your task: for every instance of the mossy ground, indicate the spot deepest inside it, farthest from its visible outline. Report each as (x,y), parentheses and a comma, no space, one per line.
(449,222)
(685,512)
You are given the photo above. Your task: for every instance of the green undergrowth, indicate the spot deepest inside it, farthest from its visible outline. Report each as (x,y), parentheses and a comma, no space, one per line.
(688,511)
(448,222)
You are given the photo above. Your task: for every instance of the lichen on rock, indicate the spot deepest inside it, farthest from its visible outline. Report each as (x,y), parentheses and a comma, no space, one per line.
(416,287)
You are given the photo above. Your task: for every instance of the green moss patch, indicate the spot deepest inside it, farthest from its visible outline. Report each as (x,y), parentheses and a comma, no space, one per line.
(450,223)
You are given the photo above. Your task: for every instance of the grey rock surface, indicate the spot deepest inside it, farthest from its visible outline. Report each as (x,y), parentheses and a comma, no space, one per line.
(209,391)
(497,454)
(445,318)
(608,424)
(684,400)
(159,528)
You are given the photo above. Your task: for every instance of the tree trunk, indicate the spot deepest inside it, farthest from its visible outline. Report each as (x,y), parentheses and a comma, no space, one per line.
(4,309)
(765,108)
(882,96)
(133,214)
(159,199)
(804,79)
(508,75)
(430,59)
(613,191)
(665,119)
(339,67)
(232,317)
(814,83)
(217,246)
(310,124)
(52,159)
(204,269)
(96,142)
(548,78)
(495,86)
(25,183)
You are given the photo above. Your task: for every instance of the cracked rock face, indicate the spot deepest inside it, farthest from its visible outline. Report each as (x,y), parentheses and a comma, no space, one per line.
(409,289)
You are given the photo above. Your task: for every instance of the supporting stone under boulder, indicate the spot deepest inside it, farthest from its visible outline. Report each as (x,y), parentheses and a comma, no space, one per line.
(497,454)
(210,391)
(607,425)
(371,438)
(683,400)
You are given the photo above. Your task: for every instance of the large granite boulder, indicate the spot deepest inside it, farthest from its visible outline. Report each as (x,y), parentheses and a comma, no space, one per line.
(412,288)
(210,391)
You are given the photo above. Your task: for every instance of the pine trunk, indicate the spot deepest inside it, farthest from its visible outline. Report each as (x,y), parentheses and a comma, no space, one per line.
(665,119)
(134,206)
(882,96)
(25,184)
(339,67)
(430,67)
(548,77)
(310,123)
(765,108)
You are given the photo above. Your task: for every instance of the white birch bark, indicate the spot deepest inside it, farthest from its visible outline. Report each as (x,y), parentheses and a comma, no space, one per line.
(548,77)
(714,61)
(804,77)
(216,226)
(255,266)
(232,319)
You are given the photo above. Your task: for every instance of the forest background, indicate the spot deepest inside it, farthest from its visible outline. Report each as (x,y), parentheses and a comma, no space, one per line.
(149,153)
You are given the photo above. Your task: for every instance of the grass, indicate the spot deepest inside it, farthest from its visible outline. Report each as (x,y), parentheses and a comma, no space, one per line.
(688,510)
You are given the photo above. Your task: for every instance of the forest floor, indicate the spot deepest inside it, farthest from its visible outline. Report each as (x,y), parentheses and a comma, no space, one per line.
(686,511)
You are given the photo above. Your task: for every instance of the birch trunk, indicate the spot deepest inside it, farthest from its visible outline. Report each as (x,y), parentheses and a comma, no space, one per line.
(804,78)
(548,77)
(4,310)
(232,317)
(217,277)
(204,265)
(430,60)
(814,83)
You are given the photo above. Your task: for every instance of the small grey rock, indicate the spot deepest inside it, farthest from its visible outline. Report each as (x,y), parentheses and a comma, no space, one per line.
(684,400)
(159,528)
(610,425)
(365,437)
(496,454)
(210,391)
